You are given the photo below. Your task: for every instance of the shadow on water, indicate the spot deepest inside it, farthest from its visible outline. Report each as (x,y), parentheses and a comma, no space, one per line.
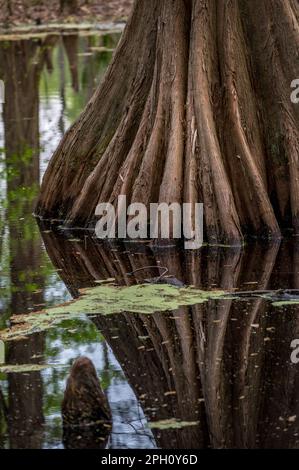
(216,374)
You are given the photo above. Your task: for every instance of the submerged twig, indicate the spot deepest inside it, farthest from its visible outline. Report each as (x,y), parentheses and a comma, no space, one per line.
(157,279)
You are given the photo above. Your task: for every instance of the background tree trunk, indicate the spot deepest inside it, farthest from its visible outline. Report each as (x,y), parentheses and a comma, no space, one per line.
(68,6)
(195,107)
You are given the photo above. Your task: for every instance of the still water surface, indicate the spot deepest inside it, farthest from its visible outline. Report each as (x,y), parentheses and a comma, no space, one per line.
(214,375)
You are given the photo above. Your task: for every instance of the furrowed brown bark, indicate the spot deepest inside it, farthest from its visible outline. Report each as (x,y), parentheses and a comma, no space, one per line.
(195,107)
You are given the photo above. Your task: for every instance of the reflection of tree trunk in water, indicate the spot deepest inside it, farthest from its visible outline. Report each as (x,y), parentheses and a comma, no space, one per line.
(160,361)
(90,69)
(62,88)
(22,64)
(21,128)
(3,419)
(279,420)
(25,395)
(217,351)
(70,42)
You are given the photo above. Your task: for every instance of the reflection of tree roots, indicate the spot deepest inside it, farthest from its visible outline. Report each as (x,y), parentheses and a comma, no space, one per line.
(219,363)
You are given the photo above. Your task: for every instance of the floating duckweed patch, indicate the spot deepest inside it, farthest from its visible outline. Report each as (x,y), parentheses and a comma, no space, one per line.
(172,424)
(285,303)
(13,368)
(109,299)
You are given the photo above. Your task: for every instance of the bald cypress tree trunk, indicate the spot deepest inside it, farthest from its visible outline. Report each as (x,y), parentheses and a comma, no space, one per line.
(195,107)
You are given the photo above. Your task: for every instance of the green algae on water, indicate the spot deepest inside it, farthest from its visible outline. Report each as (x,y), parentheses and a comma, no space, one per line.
(285,303)
(108,299)
(171,424)
(21,368)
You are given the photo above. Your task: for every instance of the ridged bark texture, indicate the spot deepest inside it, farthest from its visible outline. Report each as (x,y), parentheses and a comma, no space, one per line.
(195,107)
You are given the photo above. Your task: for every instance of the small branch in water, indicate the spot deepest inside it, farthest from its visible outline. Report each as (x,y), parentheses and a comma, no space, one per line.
(151,267)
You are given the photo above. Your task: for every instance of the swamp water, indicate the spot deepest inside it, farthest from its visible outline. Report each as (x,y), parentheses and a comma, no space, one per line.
(216,373)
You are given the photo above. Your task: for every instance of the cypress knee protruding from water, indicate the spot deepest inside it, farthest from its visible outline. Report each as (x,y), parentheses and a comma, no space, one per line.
(85,409)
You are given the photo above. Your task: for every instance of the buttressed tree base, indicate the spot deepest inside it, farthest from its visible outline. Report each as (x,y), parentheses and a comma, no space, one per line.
(195,107)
